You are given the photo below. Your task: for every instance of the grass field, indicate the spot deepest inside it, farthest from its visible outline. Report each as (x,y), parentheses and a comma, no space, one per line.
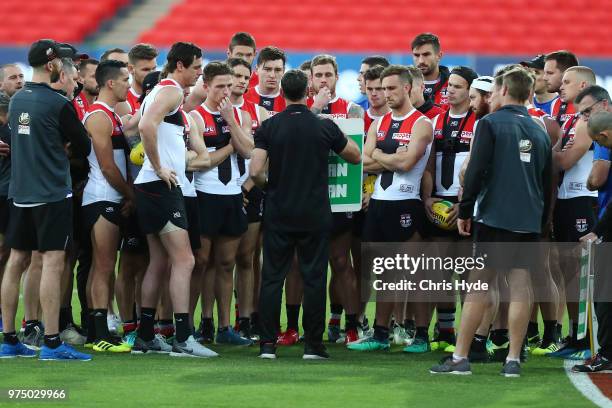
(239,379)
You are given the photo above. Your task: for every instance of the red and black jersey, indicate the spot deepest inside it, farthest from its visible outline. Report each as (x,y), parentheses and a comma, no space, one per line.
(81,105)
(254,81)
(272,103)
(430,109)
(253,111)
(133,100)
(436,92)
(561,111)
(336,108)
(368,119)
(392,133)
(119,141)
(453,135)
(217,134)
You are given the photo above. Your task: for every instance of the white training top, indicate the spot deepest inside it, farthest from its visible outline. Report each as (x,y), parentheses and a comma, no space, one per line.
(170,143)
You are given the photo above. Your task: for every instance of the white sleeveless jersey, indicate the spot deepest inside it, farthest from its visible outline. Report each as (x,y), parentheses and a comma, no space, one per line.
(170,143)
(187,177)
(574,180)
(98,188)
(392,132)
(228,176)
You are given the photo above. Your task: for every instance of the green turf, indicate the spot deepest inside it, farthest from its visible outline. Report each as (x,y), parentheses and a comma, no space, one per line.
(239,379)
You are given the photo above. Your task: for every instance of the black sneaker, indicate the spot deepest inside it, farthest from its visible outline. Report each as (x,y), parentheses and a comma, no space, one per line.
(267,351)
(315,352)
(596,364)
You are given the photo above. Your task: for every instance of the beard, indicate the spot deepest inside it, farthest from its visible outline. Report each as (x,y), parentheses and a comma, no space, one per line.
(483,110)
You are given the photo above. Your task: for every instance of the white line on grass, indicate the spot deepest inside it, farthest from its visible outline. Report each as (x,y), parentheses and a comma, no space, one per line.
(586,387)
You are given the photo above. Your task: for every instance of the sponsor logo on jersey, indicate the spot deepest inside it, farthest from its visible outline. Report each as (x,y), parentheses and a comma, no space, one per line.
(402,136)
(525,145)
(24,124)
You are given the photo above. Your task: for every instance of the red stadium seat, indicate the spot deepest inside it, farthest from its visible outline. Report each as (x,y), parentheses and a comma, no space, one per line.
(62,20)
(464,26)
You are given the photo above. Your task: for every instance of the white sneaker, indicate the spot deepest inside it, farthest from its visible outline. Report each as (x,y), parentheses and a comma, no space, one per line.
(113,323)
(191,348)
(400,337)
(71,336)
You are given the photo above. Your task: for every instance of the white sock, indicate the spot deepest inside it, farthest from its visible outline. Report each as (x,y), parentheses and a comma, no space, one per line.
(508,359)
(457,358)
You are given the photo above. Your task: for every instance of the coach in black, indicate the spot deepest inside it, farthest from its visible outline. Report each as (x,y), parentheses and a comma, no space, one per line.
(509,176)
(297,214)
(44,126)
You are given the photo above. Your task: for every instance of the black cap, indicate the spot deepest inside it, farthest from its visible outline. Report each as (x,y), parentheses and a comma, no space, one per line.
(466,73)
(76,54)
(148,83)
(43,51)
(536,63)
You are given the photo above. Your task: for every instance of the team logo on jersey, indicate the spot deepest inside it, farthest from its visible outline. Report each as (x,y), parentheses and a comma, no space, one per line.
(266,102)
(395,125)
(109,209)
(176,214)
(219,119)
(80,102)
(24,124)
(225,129)
(525,145)
(581,224)
(380,135)
(405,220)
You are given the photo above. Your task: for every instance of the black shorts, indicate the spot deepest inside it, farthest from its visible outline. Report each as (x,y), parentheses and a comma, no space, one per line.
(222,215)
(133,240)
(393,221)
(156,205)
(342,222)
(5,206)
(508,249)
(254,209)
(111,212)
(46,227)
(573,218)
(193,220)
(358,223)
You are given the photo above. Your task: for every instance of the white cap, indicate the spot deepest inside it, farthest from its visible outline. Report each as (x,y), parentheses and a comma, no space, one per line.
(484,83)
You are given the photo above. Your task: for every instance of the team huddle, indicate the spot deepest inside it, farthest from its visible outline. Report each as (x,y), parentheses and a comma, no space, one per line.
(150,170)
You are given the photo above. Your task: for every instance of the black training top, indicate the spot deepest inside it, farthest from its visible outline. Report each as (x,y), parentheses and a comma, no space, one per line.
(5,162)
(42,122)
(298,143)
(509,173)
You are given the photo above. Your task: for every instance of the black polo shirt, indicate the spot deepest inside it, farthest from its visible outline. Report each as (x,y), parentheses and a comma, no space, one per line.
(298,143)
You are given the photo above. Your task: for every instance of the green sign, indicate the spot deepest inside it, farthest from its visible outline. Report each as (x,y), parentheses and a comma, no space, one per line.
(345,179)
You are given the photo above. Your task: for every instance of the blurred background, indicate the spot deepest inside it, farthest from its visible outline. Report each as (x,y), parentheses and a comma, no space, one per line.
(480,33)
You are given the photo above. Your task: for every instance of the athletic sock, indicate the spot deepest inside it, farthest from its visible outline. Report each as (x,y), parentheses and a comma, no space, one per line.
(146,330)
(479,344)
(182,326)
(336,314)
(129,326)
(65,318)
(293,315)
(499,337)
(549,332)
(134,312)
(91,326)
(457,358)
(53,340)
(532,329)
(11,338)
(351,321)
(446,319)
(421,333)
(30,325)
(99,318)
(409,324)
(244,323)
(381,333)
(558,332)
(574,331)
(508,359)
(208,325)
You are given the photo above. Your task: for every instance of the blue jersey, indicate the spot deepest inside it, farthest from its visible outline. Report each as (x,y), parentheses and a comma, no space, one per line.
(546,106)
(605,192)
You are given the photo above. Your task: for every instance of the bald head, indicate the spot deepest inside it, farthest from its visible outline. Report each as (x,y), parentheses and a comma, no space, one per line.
(600,128)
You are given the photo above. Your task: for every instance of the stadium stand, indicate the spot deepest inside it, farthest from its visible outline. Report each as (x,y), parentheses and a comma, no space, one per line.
(65,20)
(464,26)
